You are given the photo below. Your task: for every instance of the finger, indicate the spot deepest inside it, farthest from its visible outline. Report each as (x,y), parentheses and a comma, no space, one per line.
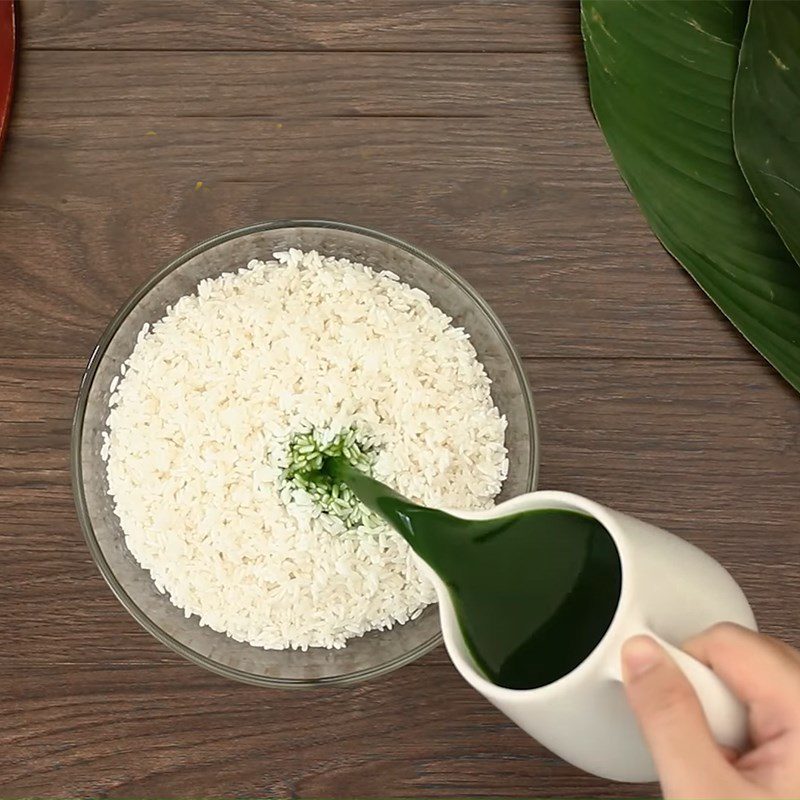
(756,667)
(729,754)
(669,714)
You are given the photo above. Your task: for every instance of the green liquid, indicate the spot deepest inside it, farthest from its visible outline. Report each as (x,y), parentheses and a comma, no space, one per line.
(534,592)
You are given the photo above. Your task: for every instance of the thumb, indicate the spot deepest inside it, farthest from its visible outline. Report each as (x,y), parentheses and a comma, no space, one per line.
(670,715)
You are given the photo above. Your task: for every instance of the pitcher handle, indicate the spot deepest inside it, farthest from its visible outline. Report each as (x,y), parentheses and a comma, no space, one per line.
(725,713)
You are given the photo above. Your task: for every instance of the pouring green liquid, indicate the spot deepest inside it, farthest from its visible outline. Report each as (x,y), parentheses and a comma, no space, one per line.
(534,592)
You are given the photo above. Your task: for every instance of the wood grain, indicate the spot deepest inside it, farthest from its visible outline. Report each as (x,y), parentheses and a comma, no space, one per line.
(170,731)
(460,126)
(352,25)
(111,199)
(58,84)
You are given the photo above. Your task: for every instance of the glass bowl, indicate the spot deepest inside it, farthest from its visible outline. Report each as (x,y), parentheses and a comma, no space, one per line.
(377,652)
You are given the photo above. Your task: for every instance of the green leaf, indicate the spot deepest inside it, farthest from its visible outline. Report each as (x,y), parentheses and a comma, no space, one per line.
(661,82)
(766,114)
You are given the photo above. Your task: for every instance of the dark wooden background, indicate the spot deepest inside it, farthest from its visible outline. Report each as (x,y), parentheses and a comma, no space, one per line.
(462,126)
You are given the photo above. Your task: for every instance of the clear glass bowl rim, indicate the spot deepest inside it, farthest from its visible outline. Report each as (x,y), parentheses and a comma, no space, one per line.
(76,469)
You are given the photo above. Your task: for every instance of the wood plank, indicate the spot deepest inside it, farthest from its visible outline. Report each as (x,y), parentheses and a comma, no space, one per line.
(163,732)
(326,84)
(531,211)
(354,25)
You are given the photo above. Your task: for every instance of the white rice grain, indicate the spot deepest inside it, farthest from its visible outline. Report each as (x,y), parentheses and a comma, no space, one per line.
(199,423)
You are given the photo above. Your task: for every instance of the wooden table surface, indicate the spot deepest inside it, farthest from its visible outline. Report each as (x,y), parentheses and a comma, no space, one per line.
(144,126)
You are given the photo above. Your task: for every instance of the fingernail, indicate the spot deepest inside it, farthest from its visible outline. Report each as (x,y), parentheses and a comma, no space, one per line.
(639,655)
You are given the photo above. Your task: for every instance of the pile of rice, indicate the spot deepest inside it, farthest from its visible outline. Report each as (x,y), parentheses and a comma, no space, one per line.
(201,420)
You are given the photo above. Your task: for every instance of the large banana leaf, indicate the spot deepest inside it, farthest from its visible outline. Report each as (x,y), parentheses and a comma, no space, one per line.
(766,113)
(661,82)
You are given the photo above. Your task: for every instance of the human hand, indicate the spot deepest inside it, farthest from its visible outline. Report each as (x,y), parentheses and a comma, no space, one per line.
(763,672)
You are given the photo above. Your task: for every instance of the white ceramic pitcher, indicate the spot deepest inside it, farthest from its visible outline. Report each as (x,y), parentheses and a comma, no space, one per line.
(671,591)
